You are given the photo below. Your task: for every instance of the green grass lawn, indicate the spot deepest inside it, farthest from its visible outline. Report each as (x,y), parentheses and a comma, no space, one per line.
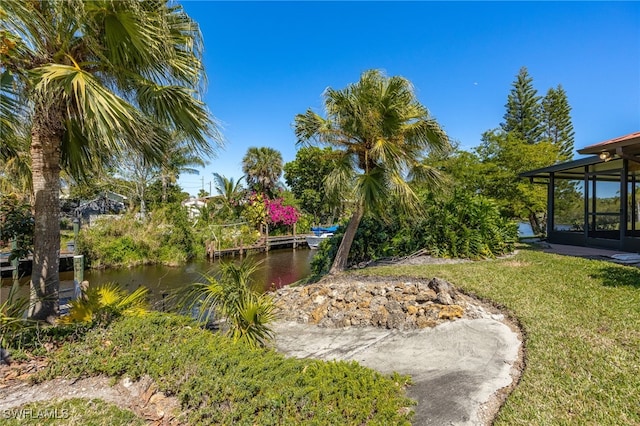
(581,320)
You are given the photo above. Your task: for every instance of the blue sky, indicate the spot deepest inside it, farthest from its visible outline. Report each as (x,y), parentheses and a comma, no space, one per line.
(268,61)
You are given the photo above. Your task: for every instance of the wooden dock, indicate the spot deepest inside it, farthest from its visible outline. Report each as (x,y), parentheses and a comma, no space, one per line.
(293,241)
(25,265)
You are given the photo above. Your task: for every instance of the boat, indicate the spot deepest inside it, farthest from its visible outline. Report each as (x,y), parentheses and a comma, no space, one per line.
(314,240)
(320,233)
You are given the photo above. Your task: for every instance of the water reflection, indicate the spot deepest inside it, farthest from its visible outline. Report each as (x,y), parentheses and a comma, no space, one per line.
(278,268)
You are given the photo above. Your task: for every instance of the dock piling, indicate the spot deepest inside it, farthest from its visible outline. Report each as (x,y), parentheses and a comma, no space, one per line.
(78,275)
(15,263)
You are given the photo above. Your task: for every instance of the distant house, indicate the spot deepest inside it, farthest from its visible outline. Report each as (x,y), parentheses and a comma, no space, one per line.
(107,203)
(193,206)
(608,182)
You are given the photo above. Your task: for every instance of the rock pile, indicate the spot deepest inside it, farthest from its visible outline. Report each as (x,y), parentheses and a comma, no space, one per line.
(362,301)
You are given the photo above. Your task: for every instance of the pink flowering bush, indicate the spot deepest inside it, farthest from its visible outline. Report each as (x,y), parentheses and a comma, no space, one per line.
(279,214)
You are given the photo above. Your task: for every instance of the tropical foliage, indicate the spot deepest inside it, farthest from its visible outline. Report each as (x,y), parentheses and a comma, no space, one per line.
(16,225)
(166,237)
(306,176)
(504,156)
(230,192)
(95,77)
(178,158)
(255,210)
(103,303)
(381,133)
(232,299)
(461,225)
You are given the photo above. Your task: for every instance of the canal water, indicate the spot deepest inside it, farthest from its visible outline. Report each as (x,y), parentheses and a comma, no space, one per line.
(276,269)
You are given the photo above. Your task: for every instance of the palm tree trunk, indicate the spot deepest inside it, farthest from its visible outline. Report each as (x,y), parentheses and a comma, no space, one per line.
(46,137)
(164,188)
(340,261)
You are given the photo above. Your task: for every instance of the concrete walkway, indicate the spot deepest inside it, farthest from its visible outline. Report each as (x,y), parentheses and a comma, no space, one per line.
(456,368)
(616,256)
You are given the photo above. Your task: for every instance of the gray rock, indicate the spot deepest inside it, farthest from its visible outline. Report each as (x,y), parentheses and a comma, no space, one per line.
(439,285)
(445,293)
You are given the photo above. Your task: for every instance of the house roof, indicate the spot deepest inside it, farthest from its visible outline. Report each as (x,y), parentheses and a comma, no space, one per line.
(629,144)
(572,169)
(607,166)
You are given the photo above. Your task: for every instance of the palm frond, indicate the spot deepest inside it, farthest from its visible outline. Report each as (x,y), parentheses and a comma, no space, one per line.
(427,175)
(311,127)
(230,297)
(340,182)
(105,302)
(176,107)
(371,189)
(11,114)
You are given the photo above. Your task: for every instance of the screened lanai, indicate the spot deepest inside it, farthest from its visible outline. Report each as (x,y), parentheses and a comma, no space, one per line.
(595,201)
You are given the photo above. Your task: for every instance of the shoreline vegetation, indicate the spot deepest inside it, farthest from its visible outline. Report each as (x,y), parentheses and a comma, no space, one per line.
(580,321)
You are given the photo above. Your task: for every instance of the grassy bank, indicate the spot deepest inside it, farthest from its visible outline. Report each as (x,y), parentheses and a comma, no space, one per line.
(71,412)
(582,324)
(219,382)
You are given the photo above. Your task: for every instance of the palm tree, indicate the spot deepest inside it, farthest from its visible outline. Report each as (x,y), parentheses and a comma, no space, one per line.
(262,168)
(178,158)
(229,190)
(96,78)
(232,295)
(382,133)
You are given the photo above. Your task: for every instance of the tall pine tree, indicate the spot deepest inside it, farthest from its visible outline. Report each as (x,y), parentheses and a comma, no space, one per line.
(557,125)
(523,115)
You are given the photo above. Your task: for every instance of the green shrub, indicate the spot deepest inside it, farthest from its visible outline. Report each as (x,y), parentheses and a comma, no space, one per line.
(232,236)
(322,260)
(467,226)
(39,338)
(165,236)
(16,223)
(221,382)
(462,226)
